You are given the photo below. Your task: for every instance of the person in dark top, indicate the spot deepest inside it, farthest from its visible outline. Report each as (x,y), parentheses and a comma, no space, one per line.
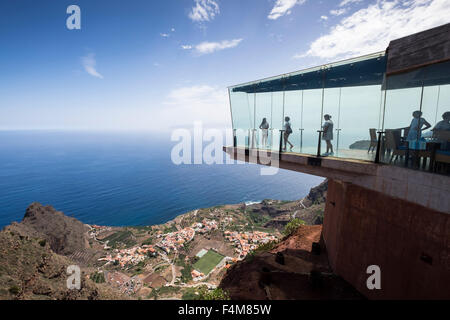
(287,132)
(327,128)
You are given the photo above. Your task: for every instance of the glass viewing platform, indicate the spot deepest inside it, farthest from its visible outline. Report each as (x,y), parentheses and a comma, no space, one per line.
(350,109)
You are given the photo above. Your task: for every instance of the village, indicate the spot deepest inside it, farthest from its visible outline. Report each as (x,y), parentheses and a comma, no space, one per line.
(196,249)
(130,256)
(175,240)
(248,241)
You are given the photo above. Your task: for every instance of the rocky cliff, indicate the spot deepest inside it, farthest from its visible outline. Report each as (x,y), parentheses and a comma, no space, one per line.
(317,195)
(65,235)
(309,209)
(34,258)
(291,270)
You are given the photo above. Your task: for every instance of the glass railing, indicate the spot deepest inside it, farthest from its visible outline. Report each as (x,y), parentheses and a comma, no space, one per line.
(349,110)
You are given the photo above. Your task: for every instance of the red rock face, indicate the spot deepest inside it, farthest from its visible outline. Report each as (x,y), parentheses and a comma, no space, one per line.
(285,273)
(410,243)
(65,235)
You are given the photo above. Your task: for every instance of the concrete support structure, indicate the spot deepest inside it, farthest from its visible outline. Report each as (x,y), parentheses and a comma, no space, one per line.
(410,243)
(389,216)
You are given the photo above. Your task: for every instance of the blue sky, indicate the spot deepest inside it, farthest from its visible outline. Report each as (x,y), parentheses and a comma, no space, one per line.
(154,65)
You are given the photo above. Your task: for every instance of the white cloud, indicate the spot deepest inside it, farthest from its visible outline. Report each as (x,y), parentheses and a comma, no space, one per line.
(89,64)
(204,10)
(370,29)
(210,47)
(186,47)
(173,29)
(338,12)
(324,18)
(283,7)
(164,35)
(346,2)
(185,105)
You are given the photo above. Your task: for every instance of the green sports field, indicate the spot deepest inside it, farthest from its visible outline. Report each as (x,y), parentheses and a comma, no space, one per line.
(208,262)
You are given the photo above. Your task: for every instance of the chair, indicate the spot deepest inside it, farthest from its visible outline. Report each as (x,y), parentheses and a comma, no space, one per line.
(442,156)
(442,161)
(373,140)
(405,133)
(443,137)
(393,143)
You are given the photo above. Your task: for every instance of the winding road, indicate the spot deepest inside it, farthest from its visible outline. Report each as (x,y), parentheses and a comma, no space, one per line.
(295,213)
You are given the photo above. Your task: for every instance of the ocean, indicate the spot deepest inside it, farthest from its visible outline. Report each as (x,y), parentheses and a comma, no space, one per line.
(124,179)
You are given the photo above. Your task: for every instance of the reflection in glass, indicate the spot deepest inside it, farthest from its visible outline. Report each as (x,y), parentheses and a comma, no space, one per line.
(241,117)
(312,119)
(359,121)
(330,121)
(277,119)
(360,101)
(264,119)
(293,110)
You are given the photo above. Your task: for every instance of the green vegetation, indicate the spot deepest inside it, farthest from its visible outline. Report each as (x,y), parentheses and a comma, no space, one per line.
(121,237)
(187,246)
(160,268)
(319,217)
(202,293)
(138,269)
(143,228)
(14,290)
(292,226)
(170,229)
(217,294)
(186,275)
(251,228)
(208,262)
(192,293)
(258,219)
(168,290)
(235,227)
(263,229)
(180,260)
(98,277)
(262,248)
(148,241)
(156,293)
(265,247)
(187,268)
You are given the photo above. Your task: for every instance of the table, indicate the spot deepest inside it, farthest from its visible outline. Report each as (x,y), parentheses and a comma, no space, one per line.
(429,152)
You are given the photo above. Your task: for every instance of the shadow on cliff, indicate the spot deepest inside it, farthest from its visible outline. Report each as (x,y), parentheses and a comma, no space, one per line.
(290,271)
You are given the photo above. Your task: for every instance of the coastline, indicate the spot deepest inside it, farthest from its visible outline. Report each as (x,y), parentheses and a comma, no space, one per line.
(164,260)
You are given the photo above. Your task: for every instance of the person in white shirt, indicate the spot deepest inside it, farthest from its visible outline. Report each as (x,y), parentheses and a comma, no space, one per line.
(327,128)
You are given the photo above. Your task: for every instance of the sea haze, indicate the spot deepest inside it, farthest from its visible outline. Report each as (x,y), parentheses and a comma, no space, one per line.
(121,179)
